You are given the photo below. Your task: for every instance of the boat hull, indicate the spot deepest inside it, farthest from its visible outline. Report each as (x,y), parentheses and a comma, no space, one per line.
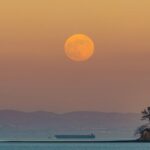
(91,136)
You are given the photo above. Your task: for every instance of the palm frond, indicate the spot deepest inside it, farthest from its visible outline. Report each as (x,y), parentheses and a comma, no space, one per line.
(144,112)
(140,129)
(148,109)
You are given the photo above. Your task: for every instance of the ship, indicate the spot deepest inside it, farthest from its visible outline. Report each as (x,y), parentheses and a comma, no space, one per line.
(75,136)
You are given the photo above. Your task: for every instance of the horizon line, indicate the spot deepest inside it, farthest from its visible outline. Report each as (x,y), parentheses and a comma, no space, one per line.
(77,111)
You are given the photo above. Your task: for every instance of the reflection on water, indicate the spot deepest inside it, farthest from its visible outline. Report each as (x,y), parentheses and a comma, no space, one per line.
(74,146)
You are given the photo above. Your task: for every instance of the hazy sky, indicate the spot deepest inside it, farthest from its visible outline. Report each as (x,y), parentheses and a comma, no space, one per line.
(35,74)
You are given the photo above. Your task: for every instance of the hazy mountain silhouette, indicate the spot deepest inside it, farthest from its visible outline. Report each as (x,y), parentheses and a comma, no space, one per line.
(41,124)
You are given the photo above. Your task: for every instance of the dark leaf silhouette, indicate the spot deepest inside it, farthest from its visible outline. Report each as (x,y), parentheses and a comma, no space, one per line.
(146,114)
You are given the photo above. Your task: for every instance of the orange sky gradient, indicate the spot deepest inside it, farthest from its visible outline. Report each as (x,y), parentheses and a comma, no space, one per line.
(35,73)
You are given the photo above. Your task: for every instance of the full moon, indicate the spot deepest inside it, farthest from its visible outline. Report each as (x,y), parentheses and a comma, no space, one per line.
(79,47)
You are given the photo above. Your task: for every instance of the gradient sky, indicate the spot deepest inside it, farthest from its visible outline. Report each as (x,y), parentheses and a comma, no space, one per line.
(35,74)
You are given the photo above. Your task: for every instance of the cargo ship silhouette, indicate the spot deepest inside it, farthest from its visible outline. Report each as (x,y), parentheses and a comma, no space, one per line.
(75,136)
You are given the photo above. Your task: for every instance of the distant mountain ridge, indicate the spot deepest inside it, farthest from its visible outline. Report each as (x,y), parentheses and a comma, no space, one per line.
(41,123)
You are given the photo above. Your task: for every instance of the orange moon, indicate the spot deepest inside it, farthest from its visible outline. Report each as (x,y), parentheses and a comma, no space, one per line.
(79,47)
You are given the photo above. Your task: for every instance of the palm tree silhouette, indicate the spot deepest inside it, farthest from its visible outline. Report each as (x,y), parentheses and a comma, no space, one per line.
(144,131)
(146,114)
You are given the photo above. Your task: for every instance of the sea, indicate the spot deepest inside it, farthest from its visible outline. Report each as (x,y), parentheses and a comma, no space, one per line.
(74,146)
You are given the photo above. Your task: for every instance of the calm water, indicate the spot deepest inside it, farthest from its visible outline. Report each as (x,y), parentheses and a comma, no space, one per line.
(80,146)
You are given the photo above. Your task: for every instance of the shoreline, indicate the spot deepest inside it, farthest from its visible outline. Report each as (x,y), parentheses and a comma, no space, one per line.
(116,141)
